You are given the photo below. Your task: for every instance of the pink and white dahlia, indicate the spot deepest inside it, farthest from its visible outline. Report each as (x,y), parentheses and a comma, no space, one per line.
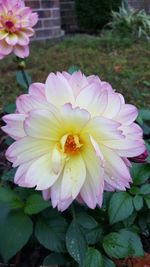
(16,22)
(74,138)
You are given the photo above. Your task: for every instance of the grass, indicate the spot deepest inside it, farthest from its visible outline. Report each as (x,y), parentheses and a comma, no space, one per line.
(126,67)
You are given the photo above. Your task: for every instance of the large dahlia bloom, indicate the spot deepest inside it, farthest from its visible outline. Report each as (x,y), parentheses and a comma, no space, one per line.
(16,22)
(74,138)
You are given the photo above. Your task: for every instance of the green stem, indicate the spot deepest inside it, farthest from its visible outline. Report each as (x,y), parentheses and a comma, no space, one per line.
(25,77)
(21,65)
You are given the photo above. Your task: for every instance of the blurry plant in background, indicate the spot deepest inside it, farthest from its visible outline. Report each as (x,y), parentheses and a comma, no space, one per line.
(128,22)
(92,15)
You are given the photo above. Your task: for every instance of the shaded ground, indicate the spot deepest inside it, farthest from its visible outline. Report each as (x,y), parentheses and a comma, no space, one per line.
(126,68)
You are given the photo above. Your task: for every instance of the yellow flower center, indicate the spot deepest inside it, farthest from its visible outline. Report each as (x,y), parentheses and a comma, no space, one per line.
(70,144)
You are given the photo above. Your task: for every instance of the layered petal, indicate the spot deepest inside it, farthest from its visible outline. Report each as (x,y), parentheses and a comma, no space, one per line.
(43,124)
(27,149)
(57,85)
(73,178)
(14,126)
(40,173)
(38,90)
(21,51)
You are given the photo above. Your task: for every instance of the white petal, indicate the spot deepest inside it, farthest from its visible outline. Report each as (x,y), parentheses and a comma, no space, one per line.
(40,173)
(57,90)
(43,124)
(26,149)
(73,177)
(14,125)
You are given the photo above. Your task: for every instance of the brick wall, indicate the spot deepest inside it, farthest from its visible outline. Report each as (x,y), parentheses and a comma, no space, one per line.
(68,16)
(49,24)
(140,4)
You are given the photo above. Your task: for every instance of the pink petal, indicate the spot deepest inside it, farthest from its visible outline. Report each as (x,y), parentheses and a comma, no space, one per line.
(101,129)
(11,39)
(21,51)
(20,174)
(74,119)
(73,177)
(127,114)
(114,165)
(46,194)
(3,34)
(26,103)
(40,173)
(14,125)
(27,149)
(57,85)
(23,39)
(38,90)
(43,124)
(5,49)
(92,99)
(113,105)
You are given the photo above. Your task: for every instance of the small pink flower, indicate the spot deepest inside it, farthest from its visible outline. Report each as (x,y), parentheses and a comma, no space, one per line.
(16,22)
(74,138)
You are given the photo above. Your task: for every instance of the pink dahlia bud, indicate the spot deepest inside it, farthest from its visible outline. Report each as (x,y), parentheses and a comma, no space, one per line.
(16,22)
(74,136)
(141,158)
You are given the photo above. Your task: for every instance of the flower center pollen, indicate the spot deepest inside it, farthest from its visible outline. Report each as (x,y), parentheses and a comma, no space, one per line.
(70,144)
(9,24)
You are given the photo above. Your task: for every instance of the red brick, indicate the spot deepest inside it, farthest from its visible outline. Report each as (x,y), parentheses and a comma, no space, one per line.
(38,25)
(44,13)
(49,3)
(50,23)
(44,33)
(56,13)
(33,4)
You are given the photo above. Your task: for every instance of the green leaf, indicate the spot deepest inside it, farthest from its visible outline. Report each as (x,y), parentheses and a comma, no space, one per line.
(145,114)
(21,79)
(94,236)
(145,189)
(138,202)
(72,69)
(147,200)
(134,190)
(86,221)
(120,207)
(122,244)
(15,232)
(140,173)
(93,258)
(108,262)
(35,203)
(55,258)
(130,220)
(9,175)
(50,232)
(10,197)
(8,142)
(4,210)
(76,242)
(135,244)
(10,108)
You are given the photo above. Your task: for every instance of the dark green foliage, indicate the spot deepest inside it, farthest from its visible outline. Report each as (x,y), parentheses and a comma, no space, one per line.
(92,15)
